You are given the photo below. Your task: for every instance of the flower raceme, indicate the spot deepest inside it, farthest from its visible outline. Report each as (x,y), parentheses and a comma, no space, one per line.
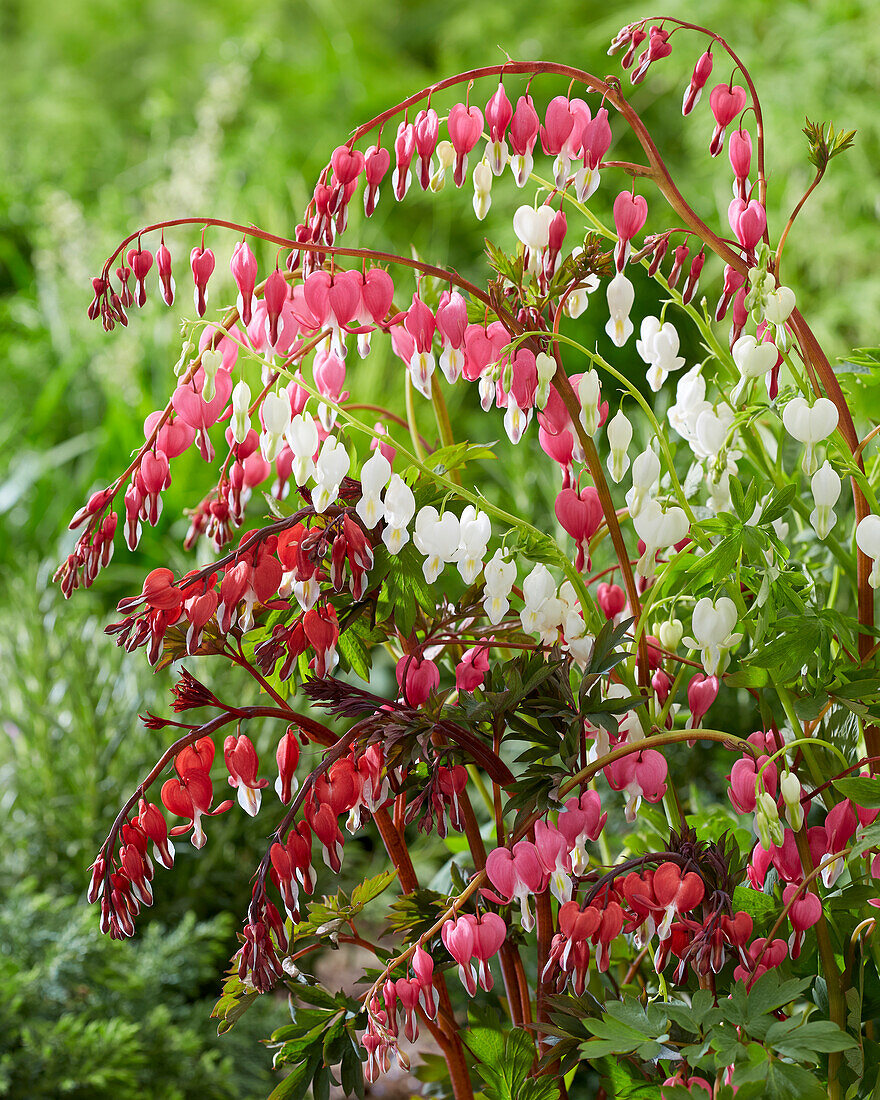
(383,541)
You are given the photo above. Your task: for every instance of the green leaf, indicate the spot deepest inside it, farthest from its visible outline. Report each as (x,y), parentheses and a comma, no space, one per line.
(486,1043)
(355,653)
(759,906)
(861,790)
(296,1084)
(806,1042)
(371,888)
(504,1059)
(778,505)
(747,676)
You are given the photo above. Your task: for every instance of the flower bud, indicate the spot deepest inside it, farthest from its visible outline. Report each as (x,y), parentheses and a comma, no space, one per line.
(826,489)
(546,367)
(211,361)
(790,789)
(482,189)
(670,633)
(620,433)
(767,820)
(590,395)
(241,421)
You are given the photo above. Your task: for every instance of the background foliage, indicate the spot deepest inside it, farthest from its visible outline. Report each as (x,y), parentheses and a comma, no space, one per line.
(113,115)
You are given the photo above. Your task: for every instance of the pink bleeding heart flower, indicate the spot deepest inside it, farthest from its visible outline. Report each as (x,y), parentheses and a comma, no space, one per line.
(275,296)
(639,775)
(347,164)
(490,931)
(465,124)
(517,875)
(163,268)
(702,693)
(242,762)
(580,514)
(499,112)
(694,91)
(377,161)
(243,266)
(841,823)
(804,913)
(553,852)
(726,102)
(558,124)
(742,778)
(458,939)
(581,820)
(630,215)
(748,222)
(192,408)
(201,261)
(173,438)
(140,260)
(611,598)
(472,668)
(423,968)
(417,678)
(759,957)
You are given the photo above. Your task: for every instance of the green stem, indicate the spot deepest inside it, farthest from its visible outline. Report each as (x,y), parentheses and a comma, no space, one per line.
(419,450)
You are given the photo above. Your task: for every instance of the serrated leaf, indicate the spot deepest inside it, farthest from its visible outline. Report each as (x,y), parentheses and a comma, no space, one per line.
(355,653)
(371,888)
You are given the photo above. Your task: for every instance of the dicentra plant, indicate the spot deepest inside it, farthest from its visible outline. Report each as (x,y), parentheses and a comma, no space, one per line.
(549,674)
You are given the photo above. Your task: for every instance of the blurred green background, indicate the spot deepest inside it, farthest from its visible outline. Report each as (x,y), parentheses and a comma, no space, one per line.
(115,115)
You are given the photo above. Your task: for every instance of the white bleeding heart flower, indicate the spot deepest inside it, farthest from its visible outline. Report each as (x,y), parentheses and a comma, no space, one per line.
(620,435)
(711,432)
(825,485)
(375,475)
(543,611)
(790,789)
(546,367)
(400,507)
(690,402)
(778,305)
(532,227)
(645,478)
(868,541)
(445,152)
(482,189)
(713,624)
(275,414)
(810,425)
(658,529)
(475,532)
(438,538)
(669,634)
(302,438)
(658,348)
(500,577)
(590,394)
(621,295)
(211,363)
(332,466)
(753,360)
(241,421)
